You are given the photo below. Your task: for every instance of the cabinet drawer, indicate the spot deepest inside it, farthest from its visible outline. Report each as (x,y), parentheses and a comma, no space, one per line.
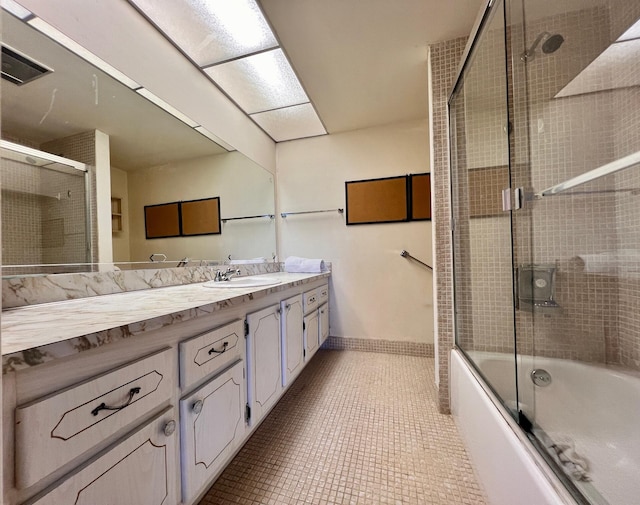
(140,470)
(211,352)
(310,300)
(323,294)
(213,425)
(54,430)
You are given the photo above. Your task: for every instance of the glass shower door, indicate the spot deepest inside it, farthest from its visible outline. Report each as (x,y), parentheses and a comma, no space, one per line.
(576,87)
(482,244)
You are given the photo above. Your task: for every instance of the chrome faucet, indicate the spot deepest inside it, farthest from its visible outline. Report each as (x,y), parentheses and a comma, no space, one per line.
(226,275)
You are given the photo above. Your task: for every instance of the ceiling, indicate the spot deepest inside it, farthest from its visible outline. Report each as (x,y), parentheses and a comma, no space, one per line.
(363,62)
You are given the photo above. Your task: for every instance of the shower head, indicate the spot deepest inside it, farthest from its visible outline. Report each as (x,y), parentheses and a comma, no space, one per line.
(551,44)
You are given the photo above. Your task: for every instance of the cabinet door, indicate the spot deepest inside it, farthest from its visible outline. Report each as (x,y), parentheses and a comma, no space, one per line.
(292,339)
(54,430)
(324,322)
(141,469)
(263,362)
(212,423)
(310,335)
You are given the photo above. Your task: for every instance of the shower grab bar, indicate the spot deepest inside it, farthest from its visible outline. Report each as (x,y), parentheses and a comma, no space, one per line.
(225,219)
(591,175)
(285,214)
(406,254)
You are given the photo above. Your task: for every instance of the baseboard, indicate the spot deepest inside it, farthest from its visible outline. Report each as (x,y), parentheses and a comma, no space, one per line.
(379,345)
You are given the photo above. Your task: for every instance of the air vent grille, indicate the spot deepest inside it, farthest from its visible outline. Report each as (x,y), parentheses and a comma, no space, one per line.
(19,69)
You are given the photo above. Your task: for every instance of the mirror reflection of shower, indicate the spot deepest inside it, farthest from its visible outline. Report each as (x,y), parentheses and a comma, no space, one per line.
(552,42)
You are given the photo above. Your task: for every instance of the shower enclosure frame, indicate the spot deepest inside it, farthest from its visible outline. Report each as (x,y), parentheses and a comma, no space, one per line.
(514,199)
(26,153)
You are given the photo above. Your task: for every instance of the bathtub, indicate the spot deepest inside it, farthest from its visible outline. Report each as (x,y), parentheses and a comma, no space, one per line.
(595,407)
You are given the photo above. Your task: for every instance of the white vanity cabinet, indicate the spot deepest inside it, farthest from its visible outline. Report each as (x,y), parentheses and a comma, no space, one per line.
(61,427)
(139,470)
(292,339)
(264,384)
(153,420)
(212,421)
(323,313)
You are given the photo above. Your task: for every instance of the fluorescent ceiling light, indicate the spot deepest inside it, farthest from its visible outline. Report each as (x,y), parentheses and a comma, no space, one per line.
(76,48)
(632,33)
(211,31)
(169,108)
(260,82)
(215,138)
(16,9)
(290,123)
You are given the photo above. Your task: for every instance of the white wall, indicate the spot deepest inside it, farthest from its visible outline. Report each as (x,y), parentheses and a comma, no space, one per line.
(244,188)
(375,292)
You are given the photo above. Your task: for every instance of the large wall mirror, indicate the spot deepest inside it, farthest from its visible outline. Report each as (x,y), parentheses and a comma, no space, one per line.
(77,112)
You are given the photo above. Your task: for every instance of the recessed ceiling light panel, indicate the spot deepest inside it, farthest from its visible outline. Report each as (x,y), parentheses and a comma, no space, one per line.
(211,31)
(290,123)
(260,82)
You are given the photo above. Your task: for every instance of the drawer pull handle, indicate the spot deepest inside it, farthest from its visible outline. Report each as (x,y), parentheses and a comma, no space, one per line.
(224,348)
(104,406)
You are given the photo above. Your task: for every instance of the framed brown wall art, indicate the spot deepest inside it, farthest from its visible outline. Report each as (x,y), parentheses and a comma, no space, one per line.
(201,217)
(162,221)
(377,200)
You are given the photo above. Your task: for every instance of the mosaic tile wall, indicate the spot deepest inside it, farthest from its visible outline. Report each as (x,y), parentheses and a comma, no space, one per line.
(444,59)
(571,136)
(553,139)
(21,222)
(377,345)
(44,210)
(626,141)
(80,147)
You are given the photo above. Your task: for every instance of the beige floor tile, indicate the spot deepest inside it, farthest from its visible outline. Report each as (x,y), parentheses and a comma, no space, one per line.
(356,428)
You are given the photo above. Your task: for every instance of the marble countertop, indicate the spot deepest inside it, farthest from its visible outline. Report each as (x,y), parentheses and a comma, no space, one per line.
(37,333)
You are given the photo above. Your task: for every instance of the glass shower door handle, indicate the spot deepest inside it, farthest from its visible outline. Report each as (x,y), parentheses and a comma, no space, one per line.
(506,199)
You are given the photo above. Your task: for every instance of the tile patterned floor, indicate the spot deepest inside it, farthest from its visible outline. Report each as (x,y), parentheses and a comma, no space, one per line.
(356,428)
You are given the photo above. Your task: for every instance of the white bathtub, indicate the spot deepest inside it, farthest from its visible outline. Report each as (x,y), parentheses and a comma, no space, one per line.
(596,407)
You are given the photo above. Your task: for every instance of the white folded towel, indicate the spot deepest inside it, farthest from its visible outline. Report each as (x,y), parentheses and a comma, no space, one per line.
(303,265)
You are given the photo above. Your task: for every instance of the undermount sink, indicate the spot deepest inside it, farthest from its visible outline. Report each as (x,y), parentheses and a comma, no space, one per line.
(244,282)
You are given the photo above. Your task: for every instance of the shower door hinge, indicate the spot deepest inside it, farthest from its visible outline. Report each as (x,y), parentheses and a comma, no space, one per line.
(519,198)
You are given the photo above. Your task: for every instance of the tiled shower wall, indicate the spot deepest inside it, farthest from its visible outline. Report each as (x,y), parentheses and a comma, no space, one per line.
(444,59)
(44,210)
(82,148)
(553,139)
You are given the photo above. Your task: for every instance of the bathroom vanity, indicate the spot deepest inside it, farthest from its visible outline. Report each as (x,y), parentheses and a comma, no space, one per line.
(144,397)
